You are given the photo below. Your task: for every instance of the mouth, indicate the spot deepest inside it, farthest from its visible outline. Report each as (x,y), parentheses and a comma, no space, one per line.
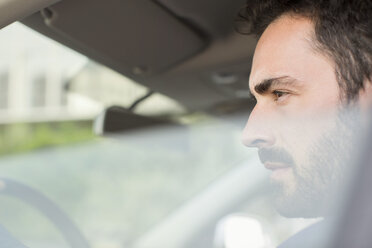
(279,170)
(279,161)
(273,166)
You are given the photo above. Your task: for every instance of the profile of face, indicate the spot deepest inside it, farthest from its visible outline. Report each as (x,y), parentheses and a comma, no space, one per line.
(298,124)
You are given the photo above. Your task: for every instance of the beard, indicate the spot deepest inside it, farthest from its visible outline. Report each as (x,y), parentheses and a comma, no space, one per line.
(319,183)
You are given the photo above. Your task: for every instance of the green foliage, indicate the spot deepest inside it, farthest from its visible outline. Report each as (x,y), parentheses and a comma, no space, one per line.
(24,137)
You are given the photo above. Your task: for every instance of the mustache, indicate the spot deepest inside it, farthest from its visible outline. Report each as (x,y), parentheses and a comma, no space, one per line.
(275,155)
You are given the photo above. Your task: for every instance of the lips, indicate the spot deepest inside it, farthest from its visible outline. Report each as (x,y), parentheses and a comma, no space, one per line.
(275,159)
(275,165)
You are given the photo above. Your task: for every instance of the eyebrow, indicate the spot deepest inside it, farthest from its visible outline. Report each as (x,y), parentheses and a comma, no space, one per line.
(265,85)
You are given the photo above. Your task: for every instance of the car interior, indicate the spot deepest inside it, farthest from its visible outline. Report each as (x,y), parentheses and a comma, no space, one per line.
(187,50)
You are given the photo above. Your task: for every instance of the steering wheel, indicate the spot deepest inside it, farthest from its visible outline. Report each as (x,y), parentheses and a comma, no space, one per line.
(44,205)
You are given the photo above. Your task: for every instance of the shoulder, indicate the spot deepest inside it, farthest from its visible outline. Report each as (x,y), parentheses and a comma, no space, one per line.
(316,235)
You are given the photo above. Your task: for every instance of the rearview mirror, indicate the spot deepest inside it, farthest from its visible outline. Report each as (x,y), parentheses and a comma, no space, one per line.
(117,119)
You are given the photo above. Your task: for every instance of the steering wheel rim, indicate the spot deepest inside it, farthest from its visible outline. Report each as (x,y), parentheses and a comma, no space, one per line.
(46,207)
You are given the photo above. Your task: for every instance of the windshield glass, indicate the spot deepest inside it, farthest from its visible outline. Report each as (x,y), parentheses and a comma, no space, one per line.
(114,188)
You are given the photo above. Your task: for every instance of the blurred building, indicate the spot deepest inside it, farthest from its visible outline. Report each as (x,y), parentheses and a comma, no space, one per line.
(33,74)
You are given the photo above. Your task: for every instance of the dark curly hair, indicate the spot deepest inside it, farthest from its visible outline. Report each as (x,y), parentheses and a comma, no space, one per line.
(342,30)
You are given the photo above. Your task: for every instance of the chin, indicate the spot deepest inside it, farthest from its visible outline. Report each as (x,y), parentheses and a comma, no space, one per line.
(300,206)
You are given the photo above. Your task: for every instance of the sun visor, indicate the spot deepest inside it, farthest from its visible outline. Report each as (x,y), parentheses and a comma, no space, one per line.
(140,36)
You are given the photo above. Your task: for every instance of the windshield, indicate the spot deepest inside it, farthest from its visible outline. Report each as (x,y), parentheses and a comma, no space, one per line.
(114,188)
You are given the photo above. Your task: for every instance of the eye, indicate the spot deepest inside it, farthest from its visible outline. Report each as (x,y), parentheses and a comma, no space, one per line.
(279,94)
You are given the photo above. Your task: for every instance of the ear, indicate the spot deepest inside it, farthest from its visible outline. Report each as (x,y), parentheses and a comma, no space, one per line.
(365,96)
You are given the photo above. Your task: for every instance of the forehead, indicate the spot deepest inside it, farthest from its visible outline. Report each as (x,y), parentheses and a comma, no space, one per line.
(284,49)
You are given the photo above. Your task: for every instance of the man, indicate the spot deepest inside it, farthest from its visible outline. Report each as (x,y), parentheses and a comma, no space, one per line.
(311,77)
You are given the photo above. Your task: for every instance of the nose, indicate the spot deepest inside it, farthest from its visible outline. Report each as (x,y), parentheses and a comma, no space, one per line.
(258,131)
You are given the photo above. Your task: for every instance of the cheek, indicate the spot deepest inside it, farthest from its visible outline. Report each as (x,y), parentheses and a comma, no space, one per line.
(322,102)
(300,135)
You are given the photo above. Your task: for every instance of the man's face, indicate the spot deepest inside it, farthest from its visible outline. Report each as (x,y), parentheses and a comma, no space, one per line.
(297,120)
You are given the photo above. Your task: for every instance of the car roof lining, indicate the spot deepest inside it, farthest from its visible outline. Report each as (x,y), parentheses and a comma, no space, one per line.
(13,10)
(215,18)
